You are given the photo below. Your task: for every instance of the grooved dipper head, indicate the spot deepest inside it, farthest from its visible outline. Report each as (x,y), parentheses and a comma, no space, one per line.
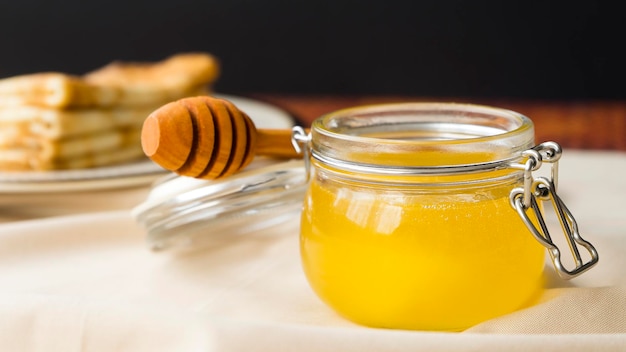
(201,137)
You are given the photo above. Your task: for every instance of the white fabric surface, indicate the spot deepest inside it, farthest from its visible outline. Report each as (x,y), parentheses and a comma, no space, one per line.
(87,282)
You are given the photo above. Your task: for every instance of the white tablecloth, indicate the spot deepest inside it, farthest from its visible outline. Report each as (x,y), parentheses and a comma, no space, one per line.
(87,282)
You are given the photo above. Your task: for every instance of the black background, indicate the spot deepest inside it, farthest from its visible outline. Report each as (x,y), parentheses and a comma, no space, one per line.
(563,50)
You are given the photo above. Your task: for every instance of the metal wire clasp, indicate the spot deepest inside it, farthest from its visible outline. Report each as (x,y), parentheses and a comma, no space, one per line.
(545,189)
(301,142)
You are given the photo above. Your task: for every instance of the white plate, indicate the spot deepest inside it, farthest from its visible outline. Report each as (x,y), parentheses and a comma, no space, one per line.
(127,175)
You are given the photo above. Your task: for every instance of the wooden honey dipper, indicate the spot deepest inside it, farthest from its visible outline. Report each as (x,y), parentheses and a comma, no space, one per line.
(208,138)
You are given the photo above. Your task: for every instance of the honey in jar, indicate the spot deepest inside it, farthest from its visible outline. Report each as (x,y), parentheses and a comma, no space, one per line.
(408,220)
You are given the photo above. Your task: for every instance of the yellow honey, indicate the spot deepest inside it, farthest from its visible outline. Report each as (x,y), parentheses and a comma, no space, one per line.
(407,222)
(392,258)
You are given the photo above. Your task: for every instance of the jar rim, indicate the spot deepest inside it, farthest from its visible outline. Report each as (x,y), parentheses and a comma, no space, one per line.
(421,135)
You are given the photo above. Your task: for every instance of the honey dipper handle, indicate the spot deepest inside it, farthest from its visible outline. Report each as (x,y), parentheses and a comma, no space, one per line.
(275,143)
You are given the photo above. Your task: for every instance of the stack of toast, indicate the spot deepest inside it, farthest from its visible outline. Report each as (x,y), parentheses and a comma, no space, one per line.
(51,121)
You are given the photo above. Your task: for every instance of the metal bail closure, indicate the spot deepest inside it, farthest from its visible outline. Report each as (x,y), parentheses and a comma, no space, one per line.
(301,142)
(525,201)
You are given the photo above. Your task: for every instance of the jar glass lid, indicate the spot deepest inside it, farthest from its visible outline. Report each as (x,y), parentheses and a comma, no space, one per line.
(187,213)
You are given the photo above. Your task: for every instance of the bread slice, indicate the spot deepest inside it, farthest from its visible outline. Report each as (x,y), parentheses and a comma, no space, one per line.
(20,122)
(143,83)
(116,84)
(87,150)
(179,72)
(54,89)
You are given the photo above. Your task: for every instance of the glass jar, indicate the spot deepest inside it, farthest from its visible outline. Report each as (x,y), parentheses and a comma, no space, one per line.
(408,220)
